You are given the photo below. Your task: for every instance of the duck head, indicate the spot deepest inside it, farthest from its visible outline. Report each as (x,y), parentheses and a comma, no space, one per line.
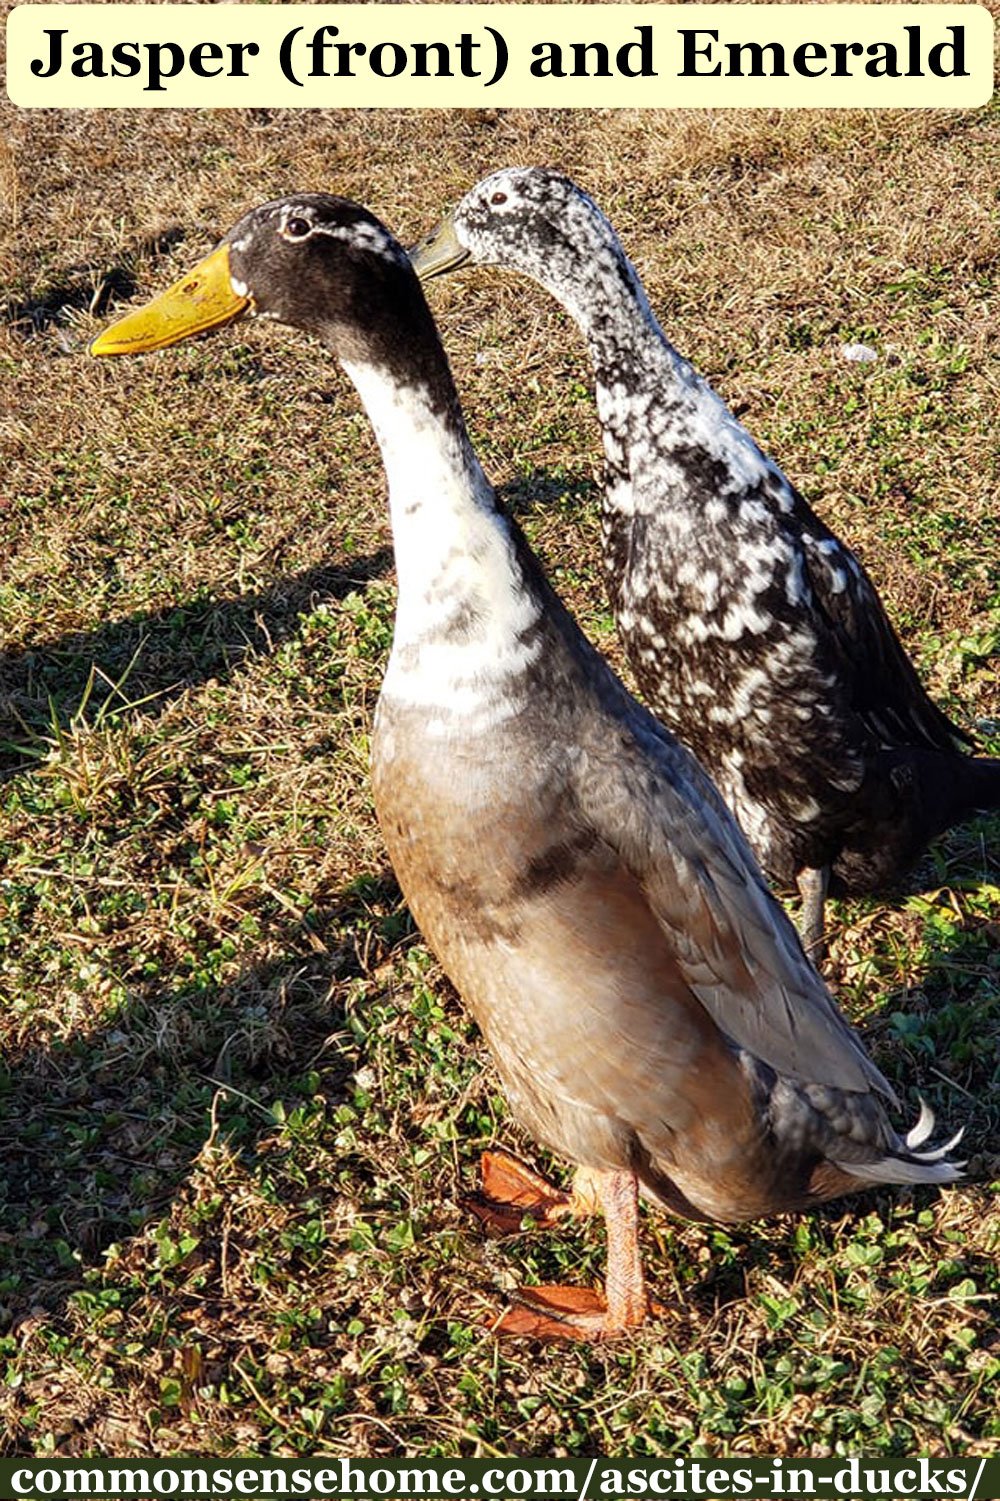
(319,263)
(528,219)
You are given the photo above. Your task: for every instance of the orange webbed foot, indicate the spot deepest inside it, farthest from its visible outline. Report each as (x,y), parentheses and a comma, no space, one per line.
(554,1313)
(570,1313)
(512,1192)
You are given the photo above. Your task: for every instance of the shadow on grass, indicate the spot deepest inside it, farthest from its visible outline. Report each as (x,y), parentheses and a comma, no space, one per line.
(100,1131)
(545,490)
(83,288)
(160,654)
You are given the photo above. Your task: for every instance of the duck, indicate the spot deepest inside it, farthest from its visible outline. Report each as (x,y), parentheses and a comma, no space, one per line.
(752,631)
(648,1005)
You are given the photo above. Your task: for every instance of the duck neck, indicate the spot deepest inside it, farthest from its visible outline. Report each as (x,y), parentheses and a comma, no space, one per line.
(467,610)
(660,420)
(438,493)
(599,287)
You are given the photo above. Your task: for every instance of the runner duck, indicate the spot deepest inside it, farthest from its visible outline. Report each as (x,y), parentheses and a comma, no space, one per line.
(753,632)
(649,1007)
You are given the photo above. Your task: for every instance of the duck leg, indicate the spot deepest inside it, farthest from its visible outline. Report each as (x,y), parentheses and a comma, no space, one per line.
(512,1192)
(812,884)
(580,1313)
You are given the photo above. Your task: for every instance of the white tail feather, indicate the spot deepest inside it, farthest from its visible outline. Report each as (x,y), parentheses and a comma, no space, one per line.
(918,1134)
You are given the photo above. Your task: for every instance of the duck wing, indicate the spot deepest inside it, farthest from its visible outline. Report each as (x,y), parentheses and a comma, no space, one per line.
(883,685)
(648,799)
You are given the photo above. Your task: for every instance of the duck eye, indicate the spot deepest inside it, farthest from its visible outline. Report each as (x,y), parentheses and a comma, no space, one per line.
(297,229)
(499,198)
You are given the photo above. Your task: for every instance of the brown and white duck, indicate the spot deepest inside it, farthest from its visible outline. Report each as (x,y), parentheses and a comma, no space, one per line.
(753,632)
(649,1007)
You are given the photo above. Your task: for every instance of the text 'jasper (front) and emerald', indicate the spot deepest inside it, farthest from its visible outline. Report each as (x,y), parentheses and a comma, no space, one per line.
(894,55)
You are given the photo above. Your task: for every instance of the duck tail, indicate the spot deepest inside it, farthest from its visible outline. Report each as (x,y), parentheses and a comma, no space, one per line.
(908,1160)
(953,787)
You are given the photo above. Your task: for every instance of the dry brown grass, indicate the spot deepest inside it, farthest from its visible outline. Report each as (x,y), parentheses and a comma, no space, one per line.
(239,1098)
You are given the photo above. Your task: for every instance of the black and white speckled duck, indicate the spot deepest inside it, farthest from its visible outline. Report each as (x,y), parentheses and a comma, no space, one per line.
(753,632)
(648,1004)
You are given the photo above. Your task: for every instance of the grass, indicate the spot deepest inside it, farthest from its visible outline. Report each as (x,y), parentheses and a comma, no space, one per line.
(238,1101)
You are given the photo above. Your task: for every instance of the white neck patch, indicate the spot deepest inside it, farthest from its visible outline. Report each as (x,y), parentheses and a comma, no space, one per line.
(464,616)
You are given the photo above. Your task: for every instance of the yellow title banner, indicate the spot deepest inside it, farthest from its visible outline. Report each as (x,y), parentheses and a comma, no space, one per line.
(467,56)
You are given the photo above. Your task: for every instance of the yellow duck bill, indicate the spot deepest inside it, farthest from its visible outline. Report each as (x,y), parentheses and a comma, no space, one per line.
(438,252)
(201,300)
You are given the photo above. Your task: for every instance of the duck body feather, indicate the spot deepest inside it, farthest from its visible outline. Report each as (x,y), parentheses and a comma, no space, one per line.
(648,1005)
(753,632)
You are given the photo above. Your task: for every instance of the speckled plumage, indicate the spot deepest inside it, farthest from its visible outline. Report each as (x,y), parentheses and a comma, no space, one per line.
(648,1004)
(754,633)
